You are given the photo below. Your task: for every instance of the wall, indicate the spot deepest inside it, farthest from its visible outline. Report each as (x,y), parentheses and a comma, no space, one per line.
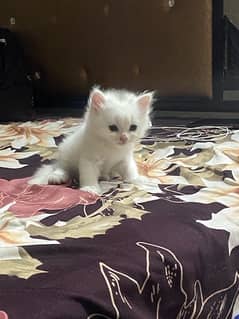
(128,43)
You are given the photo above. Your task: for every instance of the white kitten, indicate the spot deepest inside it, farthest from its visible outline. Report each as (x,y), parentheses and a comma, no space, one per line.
(104,143)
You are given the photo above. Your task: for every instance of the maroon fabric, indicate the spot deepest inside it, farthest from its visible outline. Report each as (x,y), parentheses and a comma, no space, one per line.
(131,253)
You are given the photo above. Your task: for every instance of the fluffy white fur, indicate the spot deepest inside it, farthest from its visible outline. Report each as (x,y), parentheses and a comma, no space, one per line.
(103,145)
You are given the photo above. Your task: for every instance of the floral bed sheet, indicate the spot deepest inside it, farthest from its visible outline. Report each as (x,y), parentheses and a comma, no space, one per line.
(167,248)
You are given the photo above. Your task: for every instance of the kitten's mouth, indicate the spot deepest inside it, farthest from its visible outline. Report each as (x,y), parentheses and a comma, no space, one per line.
(122,142)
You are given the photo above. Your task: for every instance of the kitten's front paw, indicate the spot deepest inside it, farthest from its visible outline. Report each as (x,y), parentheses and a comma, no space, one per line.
(58,177)
(95,189)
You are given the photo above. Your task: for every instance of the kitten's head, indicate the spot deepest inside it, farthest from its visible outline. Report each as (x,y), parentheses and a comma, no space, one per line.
(118,116)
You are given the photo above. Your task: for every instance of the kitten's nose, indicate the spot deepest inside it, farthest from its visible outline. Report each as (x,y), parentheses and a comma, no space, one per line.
(123,138)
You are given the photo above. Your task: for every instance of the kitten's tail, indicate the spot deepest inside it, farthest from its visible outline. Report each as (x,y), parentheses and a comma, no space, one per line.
(41,175)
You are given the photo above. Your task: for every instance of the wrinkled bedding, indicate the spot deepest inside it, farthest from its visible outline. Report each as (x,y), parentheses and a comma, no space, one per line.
(167,248)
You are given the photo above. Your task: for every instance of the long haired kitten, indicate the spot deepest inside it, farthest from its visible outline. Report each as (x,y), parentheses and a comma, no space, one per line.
(114,121)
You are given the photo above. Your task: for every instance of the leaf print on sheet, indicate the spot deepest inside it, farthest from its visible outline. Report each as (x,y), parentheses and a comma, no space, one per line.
(194,165)
(20,135)
(221,189)
(46,153)
(186,168)
(13,231)
(155,164)
(218,191)
(224,153)
(112,212)
(30,200)
(70,123)
(23,267)
(228,220)
(158,165)
(218,305)
(163,273)
(14,260)
(10,158)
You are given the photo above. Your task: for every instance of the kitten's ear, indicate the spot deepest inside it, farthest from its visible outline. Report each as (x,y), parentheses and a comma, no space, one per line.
(96,100)
(144,101)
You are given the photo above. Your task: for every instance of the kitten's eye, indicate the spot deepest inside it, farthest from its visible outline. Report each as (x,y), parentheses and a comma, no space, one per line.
(113,128)
(133,127)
